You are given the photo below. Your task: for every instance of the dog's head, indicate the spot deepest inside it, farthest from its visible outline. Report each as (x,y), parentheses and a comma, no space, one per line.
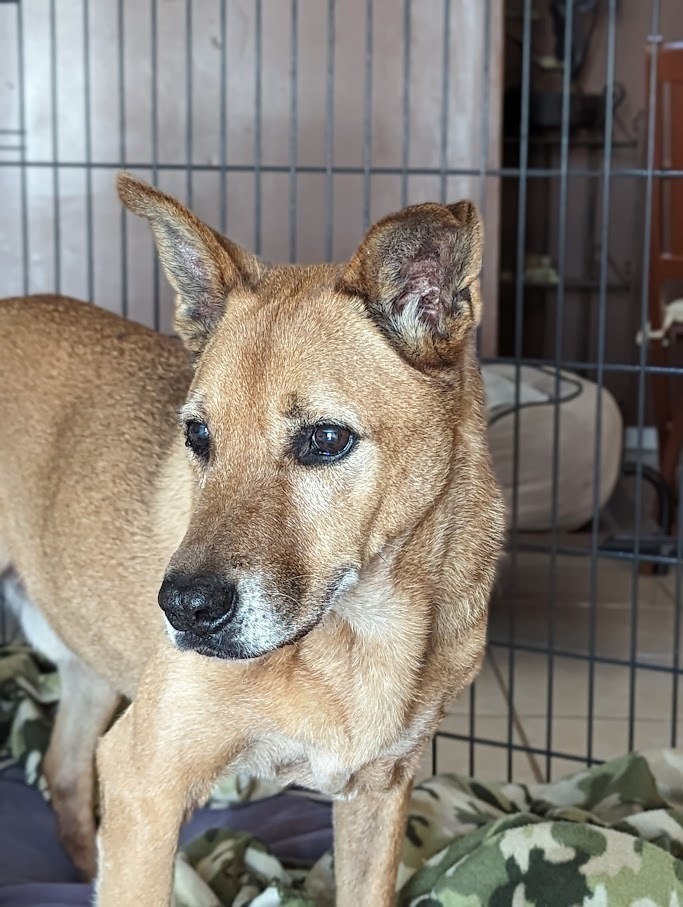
(323,418)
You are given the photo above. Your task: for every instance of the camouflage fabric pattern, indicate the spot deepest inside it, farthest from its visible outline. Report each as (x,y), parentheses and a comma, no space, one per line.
(608,836)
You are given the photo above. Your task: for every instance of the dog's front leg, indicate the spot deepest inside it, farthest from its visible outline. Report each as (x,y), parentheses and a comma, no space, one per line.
(155,765)
(368,839)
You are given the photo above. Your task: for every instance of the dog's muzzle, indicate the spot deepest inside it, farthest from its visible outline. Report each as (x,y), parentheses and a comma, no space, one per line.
(198,604)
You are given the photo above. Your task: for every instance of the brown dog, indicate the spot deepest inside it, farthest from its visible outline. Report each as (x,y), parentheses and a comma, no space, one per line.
(324,527)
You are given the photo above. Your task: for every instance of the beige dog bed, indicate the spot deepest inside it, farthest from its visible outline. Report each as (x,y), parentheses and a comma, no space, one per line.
(577,416)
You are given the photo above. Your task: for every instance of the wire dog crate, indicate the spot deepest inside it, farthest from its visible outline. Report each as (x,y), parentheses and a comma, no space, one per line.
(292,125)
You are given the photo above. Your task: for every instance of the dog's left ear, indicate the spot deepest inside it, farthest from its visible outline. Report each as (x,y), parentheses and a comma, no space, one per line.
(202,266)
(417,272)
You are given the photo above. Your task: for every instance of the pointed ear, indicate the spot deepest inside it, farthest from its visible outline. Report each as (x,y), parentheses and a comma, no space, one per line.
(202,266)
(417,272)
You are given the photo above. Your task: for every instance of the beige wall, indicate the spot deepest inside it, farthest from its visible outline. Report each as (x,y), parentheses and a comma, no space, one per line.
(76,248)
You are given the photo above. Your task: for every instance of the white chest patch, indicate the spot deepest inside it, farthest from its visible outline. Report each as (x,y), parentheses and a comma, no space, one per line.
(276,758)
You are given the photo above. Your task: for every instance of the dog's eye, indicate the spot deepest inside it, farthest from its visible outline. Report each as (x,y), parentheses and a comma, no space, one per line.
(197,438)
(324,444)
(330,440)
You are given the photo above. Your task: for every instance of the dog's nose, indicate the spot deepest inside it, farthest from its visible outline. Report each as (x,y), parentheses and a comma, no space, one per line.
(201,604)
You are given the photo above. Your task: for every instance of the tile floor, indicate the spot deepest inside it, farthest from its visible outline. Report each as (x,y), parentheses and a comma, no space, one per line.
(519,687)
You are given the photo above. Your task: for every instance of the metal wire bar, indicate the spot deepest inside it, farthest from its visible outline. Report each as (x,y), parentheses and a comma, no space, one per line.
(154,125)
(123,151)
(258,141)
(19,22)
(293,129)
(56,214)
(655,38)
(23,178)
(590,366)
(503,172)
(602,326)
(405,151)
(603,554)
(519,327)
(367,114)
(519,748)
(223,137)
(329,134)
(445,98)
(483,192)
(678,600)
(189,96)
(89,233)
(559,328)
(611,661)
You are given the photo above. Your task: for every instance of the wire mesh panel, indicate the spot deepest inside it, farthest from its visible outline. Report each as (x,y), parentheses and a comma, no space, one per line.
(289,124)
(292,125)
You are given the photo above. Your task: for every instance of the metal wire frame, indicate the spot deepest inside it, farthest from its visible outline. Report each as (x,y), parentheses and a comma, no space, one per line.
(507,172)
(607,177)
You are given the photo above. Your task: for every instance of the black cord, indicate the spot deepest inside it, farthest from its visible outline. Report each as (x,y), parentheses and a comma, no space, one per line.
(665,504)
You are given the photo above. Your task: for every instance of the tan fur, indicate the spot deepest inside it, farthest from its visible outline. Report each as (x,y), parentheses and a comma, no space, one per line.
(365,582)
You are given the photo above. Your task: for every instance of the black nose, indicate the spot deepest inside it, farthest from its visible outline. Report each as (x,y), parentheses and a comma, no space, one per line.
(201,604)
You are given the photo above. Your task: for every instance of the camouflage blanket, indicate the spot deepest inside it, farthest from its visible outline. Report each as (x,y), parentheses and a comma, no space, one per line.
(610,835)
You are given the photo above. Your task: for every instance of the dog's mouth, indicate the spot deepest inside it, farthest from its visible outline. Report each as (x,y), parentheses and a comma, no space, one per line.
(253,632)
(230,649)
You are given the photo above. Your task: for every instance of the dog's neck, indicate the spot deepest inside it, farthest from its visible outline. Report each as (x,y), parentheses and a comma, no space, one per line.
(371,645)
(425,598)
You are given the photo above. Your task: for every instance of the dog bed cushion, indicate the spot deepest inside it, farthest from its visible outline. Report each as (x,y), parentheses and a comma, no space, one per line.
(542,393)
(610,835)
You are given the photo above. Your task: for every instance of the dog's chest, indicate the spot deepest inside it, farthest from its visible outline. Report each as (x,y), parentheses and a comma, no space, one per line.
(286,761)
(274,757)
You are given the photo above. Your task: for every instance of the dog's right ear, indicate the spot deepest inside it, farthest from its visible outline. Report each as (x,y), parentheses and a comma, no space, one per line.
(417,271)
(202,266)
